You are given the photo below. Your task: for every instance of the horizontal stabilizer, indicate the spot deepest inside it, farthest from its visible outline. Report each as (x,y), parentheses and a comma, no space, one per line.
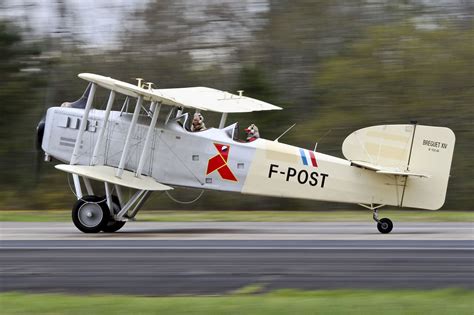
(107,174)
(386,170)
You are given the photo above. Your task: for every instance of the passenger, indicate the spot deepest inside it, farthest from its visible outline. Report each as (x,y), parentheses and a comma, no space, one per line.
(198,123)
(252,133)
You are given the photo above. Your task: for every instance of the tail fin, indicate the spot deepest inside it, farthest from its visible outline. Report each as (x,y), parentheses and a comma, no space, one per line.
(431,152)
(409,150)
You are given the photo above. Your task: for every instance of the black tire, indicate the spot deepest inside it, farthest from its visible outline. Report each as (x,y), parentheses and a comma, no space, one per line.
(112,225)
(90,214)
(385,225)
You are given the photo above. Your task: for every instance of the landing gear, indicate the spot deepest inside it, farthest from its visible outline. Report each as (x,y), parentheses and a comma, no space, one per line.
(113,225)
(384,225)
(109,213)
(89,214)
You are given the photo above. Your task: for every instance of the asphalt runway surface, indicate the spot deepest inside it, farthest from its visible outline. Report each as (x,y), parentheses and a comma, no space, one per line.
(215,258)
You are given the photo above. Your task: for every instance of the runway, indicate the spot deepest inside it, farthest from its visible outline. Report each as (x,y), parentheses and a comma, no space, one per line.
(215,258)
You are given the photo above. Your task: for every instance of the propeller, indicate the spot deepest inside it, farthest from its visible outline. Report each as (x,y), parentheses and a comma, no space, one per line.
(38,155)
(39,133)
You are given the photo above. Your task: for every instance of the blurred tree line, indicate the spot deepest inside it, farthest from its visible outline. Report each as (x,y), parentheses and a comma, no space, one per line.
(335,66)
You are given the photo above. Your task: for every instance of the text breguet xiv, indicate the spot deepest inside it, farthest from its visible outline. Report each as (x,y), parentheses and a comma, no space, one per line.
(435,144)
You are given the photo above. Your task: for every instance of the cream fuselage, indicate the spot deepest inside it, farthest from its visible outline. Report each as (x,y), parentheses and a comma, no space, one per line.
(213,159)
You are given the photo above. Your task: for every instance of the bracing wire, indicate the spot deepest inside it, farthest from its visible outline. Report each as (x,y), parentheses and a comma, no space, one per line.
(185,202)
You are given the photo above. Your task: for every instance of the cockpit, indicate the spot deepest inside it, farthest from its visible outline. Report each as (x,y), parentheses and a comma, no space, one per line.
(179,120)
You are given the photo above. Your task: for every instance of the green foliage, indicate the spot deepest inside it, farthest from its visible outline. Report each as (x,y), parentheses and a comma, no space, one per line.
(254,83)
(19,90)
(219,215)
(277,302)
(20,96)
(401,69)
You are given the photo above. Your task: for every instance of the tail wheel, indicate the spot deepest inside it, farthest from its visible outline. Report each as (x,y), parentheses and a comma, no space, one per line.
(112,225)
(90,214)
(385,225)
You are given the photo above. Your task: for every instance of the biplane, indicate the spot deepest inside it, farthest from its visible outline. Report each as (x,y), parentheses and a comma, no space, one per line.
(404,165)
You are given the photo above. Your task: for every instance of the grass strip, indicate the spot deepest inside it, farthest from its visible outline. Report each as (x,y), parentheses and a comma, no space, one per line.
(253,216)
(278,302)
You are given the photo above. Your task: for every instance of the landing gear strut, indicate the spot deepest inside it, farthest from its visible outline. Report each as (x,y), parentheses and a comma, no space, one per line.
(384,225)
(112,225)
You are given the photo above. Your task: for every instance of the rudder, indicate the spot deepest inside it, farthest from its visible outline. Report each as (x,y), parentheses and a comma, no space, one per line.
(431,153)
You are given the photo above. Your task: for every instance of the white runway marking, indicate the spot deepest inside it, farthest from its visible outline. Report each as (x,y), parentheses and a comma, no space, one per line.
(228,248)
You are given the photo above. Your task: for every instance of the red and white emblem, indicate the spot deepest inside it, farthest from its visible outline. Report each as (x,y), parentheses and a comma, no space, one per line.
(219,163)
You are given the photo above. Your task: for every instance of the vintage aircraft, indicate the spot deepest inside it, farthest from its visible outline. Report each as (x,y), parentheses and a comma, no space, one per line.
(397,165)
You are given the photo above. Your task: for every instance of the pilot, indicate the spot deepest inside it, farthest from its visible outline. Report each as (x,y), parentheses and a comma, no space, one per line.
(252,133)
(198,123)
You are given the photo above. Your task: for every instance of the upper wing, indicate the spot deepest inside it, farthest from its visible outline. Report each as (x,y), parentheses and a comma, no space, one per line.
(215,100)
(201,98)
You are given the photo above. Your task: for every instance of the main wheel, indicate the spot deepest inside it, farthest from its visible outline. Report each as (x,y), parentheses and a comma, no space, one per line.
(112,225)
(385,225)
(90,214)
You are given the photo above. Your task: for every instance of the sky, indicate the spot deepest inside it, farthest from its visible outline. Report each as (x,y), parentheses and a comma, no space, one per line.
(98,22)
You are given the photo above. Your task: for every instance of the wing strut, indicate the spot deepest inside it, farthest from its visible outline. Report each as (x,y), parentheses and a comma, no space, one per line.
(146,145)
(83,126)
(98,144)
(223,119)
(133,123)
(80,134)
